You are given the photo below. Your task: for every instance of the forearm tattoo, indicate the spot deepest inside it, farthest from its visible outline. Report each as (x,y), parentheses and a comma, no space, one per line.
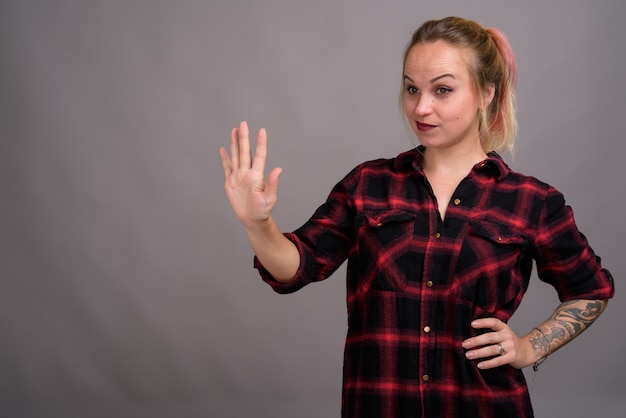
(572,320)
(541,343)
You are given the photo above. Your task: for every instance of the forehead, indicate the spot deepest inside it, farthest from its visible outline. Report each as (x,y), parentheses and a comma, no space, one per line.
(431,59)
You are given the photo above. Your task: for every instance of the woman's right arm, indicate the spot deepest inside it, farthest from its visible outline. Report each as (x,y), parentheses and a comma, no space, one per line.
(253,198)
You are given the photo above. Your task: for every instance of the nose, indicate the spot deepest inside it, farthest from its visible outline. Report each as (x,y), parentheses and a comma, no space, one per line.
(423,105)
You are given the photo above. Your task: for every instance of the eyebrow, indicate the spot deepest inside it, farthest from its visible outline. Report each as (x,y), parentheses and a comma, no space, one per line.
(406,77)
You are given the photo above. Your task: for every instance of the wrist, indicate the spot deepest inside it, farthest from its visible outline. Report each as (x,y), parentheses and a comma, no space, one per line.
(259,226)
(541,347)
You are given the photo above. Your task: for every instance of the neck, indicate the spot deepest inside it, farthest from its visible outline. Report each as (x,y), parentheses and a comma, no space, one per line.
(452,161)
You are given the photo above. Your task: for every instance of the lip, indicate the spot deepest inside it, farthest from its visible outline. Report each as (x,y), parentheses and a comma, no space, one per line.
(424,127)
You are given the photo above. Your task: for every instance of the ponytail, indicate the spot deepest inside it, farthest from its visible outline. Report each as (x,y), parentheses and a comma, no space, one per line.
(502,127)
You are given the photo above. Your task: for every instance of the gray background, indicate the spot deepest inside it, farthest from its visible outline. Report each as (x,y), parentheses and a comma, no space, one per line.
(126,284)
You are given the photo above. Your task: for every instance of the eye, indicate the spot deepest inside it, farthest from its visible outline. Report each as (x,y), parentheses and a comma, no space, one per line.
(443,90)
(412,90)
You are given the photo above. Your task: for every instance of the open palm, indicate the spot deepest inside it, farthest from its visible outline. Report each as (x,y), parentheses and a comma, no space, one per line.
(251,195)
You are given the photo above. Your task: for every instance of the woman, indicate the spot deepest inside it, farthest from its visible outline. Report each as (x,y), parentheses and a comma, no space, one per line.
(439,242)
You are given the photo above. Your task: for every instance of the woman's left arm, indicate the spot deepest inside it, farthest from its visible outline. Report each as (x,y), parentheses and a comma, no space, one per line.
(502,346)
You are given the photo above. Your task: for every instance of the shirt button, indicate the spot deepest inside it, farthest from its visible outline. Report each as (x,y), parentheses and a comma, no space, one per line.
(437,235)
(379,224)
(429,283)
(426,329)
(426,378)
(457,202)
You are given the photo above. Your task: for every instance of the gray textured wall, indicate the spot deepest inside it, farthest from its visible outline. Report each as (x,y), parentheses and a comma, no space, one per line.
(126,284)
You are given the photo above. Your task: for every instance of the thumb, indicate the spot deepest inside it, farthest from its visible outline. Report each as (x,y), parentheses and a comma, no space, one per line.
(271,184)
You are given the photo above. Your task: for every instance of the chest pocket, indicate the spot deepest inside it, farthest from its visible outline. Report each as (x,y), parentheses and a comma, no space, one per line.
(496,233)
(492,268)
(383,259)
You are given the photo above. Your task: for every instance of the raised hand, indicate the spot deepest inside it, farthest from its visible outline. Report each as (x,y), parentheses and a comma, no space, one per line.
(253,198)
(251,195)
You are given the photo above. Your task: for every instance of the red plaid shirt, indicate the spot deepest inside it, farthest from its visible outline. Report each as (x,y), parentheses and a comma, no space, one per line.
(415,282)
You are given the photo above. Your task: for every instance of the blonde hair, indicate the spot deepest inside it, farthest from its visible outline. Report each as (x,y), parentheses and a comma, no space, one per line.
(491,63)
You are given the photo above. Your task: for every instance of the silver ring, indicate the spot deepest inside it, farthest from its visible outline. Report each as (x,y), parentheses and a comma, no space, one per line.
(502,352)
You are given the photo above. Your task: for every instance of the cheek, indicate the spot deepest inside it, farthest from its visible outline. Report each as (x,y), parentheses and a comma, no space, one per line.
(464,118)
(463,112)
(408,107)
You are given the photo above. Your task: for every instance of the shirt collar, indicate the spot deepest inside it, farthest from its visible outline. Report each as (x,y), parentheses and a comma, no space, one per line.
(412,160)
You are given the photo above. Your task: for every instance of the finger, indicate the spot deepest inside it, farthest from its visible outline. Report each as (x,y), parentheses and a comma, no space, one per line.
(489,351)
(260,153)
(488,338)
(244,145)
(234,148)
(228,167)
(498,356)
(492,323)
(492,363)
(494,355)
(271,185)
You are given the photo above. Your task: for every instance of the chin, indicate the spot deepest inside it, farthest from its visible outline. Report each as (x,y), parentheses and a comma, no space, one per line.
(429,142)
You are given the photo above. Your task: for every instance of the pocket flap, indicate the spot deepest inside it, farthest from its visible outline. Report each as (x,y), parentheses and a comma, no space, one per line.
(495,232)
(377,219)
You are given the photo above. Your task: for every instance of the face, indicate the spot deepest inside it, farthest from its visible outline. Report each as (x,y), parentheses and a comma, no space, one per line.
(440,99)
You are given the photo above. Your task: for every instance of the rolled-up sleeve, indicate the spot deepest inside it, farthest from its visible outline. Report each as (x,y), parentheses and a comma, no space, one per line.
(563,255)
(324,241)
(299,280)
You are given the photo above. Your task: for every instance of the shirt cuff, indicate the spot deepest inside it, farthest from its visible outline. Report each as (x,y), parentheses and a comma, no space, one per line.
(297,281)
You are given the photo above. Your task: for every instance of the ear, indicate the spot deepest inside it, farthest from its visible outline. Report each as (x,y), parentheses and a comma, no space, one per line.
(488,93)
